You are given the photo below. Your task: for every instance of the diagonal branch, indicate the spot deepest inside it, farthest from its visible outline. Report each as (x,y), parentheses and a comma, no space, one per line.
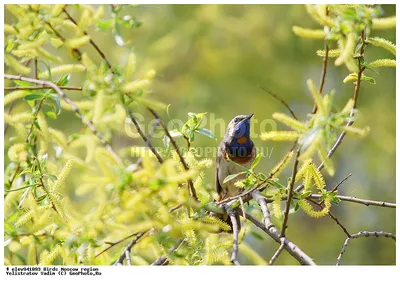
(75,109)
(144,137)
(290,194)
(358,201)
(163,260)
(127,252)
(235,229)
(90,40)
(269,228)
(334,218)
(41,87)
(277,253)
(324,66)
(182,160)
(363,234)
(279,99)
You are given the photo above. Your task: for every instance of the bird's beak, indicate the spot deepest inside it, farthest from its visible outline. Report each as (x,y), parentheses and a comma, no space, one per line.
(249,117)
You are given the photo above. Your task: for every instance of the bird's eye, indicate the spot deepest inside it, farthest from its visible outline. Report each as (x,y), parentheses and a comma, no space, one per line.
(236,119)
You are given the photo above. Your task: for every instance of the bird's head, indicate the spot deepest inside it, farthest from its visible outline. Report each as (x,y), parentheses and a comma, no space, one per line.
(238,129)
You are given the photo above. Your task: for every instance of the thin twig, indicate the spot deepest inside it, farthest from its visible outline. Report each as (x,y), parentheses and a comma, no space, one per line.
(269,228)
(235,229)
(359,201)
(324,66)
(290,194)
(337,185)
(279,99)
(277,253)
(41,87)
(127,251)
(163,259)
(73,106)
(332,216)
(244,217)
(90,40)
(77,53)
(144,137)
(116,243)
(182,160)
(363,234)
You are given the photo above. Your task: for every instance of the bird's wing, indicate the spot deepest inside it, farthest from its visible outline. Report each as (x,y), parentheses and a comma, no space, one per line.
(217,184)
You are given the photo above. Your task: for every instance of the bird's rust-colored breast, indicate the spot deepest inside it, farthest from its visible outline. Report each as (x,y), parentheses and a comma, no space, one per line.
(242,160)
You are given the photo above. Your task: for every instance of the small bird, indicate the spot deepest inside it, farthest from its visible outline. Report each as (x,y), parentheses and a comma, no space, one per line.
(235,147)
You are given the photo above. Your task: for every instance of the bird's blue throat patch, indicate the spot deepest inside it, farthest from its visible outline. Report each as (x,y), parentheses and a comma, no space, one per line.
(240,147)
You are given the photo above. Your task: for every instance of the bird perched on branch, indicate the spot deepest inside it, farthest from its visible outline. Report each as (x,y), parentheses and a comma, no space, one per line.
(235,148)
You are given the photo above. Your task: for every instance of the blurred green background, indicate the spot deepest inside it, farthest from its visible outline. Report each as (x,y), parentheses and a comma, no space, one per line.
(211,58)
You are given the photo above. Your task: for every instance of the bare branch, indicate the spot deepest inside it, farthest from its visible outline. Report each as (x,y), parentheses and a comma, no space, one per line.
(333,217)
(277,253)
(324,66)
(235,229)
(127,252)
(144,137)
(290,194)
(269,228)
(279,99)
(75,108)
(41,87)
(90,40)
(359,201)
(116,243)
(363,234)
(163,259)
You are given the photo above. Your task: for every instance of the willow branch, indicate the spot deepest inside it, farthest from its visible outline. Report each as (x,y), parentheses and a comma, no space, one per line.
(290,194)
(235,229)
(359,201)
(363,234)
(116,243)
(279,99)
(163,259)
(324,66)
(73,106)
(269,228)
(182,160)
(90,40)
(277,253)
(42,87)
(127,251)
(144,137)
(13,102)
(334,218)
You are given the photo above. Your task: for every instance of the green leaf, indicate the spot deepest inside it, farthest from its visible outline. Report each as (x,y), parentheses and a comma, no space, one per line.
(63,80)
(232,176)
(31,97)
(41,198)
(257,235)
(23,197)
(57,99)
(368,78)
(51,115)
(105,25)
(51,176)
(256,161)
(206,132)
(23,83)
